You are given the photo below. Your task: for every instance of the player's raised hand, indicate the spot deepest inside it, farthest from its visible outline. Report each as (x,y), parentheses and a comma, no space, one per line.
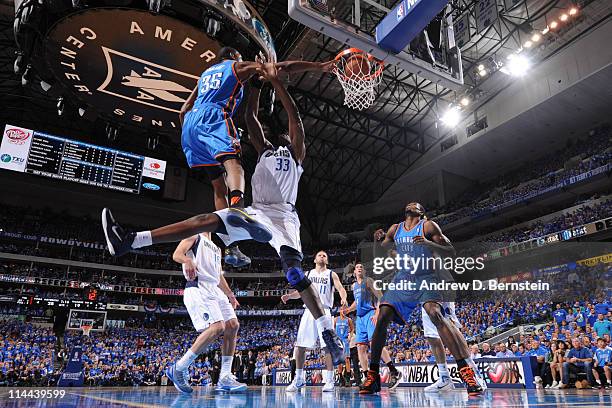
(284,298)
(269,71)
(379,235)
(190,269)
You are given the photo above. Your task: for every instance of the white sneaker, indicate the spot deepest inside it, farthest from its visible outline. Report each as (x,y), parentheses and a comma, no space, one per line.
(329,387)
(442,385)
(295,385)
(229,383)
(537,379)
(555,384)
(481,381)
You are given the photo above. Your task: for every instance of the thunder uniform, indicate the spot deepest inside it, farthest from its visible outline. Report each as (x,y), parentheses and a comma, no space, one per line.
(205,301)
(405,301)
(308,332)
(274,187)
(208,131)
(364,326)
(342,330)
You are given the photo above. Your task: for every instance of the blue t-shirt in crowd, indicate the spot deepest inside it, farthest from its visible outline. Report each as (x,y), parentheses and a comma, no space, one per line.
(603,308)
(559,315)
(582,353)
(602,327)
(539,352)
(603,356)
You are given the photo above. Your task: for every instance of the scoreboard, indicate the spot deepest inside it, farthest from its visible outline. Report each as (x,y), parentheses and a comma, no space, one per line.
(38,153)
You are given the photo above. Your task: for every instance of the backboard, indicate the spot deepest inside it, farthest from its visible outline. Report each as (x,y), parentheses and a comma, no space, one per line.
(353,23)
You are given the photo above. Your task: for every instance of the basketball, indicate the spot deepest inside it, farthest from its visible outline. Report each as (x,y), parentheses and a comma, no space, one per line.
(357,66)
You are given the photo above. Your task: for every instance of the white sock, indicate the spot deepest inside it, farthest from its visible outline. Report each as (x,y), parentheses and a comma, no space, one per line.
(324,323)
(226,366)
(299,374)
(443,370)
(329,374)
(142,239)
(185,361)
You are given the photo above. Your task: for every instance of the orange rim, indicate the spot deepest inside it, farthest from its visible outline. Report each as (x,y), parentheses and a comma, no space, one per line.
(362,54)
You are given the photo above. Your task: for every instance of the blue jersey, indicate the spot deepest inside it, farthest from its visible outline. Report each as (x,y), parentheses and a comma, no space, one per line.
(603,356)
(403,242)
(363,298)
(220,87)
(342,328)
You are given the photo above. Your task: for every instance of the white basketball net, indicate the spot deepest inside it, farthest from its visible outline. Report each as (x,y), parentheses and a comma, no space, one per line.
(360,81)
(86,326)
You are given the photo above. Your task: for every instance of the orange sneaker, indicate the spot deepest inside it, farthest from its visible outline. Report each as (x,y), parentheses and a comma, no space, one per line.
(471,384)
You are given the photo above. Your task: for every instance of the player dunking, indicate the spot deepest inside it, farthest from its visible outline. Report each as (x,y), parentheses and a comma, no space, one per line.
(415,238)
(344,329)
(209,137)
(210,303)
(367,313)
(324,281)
(274,184)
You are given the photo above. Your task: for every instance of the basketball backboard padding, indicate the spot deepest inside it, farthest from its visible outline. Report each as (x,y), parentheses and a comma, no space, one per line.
(405,22)
(352,38)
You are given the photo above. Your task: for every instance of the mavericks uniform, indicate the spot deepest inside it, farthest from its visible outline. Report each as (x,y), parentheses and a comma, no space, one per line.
(208,130)
(204,300)
(342,330)
(275,186)
(430,329)
(308,332)
(364,326)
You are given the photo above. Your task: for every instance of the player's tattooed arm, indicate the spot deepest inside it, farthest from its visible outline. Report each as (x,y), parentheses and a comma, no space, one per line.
(340,289)
(180,256)
(434,239)
(254,129)
(245,70)
(188,103)
(292,67)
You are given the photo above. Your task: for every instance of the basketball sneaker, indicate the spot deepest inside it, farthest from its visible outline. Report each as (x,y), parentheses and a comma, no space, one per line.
(296,385)
(442,385)
(394,379)
(118,241)
(180,379)
(329,387)
(334,345)
(235,257)
(371,385)
(229,383)
(239,218)
(471,384)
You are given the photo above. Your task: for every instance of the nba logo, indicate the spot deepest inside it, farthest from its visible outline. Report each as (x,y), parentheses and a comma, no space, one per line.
(400,11)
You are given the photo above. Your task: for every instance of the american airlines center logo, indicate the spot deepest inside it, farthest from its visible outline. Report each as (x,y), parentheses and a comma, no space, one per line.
(129,65)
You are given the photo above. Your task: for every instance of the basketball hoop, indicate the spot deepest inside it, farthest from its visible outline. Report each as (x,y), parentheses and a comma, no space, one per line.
(359,74)
(86,326)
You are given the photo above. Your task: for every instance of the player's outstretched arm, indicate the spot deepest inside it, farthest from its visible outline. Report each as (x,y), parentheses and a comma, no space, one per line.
(245,70)
(294,294)
(254,129)
(296,127)
(386,239)
(292,67)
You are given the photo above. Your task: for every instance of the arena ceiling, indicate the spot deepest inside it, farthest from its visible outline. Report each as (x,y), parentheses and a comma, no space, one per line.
(353,157)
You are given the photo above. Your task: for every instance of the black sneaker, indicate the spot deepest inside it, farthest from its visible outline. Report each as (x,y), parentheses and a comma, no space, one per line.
(118,241)
(334,345)
(238,217)
(235,257)
(394,379)
(371,385)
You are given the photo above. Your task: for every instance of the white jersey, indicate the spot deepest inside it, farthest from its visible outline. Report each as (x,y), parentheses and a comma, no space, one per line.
(323,284)
(207,257)
(276,177)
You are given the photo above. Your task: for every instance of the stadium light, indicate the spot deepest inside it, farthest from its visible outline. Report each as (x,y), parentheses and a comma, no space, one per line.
(465,101)
(546,30)
(481,67)
(482,73)
(573,11)
(451,117)
(517,65)
(563,17)
(554,24)
(528,44)
(536,37)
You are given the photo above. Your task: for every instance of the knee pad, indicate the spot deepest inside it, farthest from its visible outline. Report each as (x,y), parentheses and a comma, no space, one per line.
(290,258)
(297,279)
